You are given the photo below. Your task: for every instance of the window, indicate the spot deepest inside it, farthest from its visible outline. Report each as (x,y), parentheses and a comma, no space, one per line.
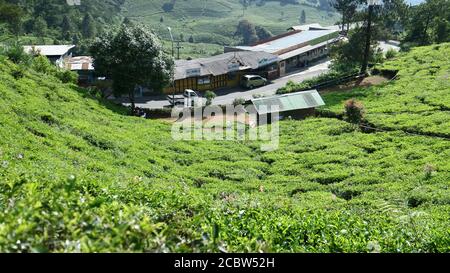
(232,76)
(204,80)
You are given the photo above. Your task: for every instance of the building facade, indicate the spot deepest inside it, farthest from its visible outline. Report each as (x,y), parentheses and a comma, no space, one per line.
(221,71)
(298,47)
(57,54)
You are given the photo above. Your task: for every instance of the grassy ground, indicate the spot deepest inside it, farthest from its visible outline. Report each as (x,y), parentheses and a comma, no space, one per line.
(77,174)
(215,21)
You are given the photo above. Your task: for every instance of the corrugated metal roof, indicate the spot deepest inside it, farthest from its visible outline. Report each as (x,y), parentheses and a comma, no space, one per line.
(222,64)
(305,49)
(308,27)
(49,50)
(288,102)
(80,63)
(289,41)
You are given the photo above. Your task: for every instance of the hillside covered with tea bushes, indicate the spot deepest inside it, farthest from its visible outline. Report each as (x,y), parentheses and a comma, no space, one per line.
(416,101)
(78,174)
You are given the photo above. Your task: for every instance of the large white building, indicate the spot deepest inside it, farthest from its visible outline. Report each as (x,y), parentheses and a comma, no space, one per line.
(55,53)
(298,47)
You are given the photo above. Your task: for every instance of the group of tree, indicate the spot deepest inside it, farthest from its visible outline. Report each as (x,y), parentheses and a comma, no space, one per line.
(169,6)
(250,33)
(428,23)
(56,20)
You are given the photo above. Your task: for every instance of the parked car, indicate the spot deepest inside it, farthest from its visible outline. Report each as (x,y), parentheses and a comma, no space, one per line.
(188,95)
(252,81)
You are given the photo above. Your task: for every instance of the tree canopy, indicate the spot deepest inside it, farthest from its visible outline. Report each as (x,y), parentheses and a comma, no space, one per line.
(133,56)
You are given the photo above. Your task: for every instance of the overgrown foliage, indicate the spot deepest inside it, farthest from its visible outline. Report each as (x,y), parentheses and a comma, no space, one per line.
(354,111)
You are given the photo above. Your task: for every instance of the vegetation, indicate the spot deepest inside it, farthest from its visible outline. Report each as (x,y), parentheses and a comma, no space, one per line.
(193,18)
(428,23)
(55,21)
(354,111)
(78,174)
(209,95)
(131,57)
(348,10)
(416,102)
(333,74)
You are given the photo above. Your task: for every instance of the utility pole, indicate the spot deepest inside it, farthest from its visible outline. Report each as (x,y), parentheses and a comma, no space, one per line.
(178,47)
(371,3)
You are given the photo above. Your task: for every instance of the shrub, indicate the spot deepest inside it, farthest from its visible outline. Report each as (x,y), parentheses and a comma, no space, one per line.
(428,170)
(67,76)
(16,54)
(354,111)
(238,101)
(168,7)
(390,54)
(209,95)
(42,65)
(17,72)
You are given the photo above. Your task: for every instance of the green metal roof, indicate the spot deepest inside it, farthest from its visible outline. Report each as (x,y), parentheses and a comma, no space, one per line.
(288,102)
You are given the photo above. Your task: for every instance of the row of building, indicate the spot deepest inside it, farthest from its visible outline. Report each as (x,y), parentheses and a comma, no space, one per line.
(271,58)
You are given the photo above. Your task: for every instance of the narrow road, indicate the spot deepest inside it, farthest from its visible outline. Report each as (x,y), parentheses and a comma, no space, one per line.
(229,95)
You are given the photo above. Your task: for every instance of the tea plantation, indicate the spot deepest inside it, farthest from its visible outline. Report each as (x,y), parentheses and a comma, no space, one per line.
(77,174)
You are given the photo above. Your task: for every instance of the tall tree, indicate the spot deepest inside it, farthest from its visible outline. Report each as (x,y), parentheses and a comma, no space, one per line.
(66,28)
(11,15)
(303,17)
(348,56)
(442,31)
(245,4)
(262,33)
(348,9)
(131,57)
(426,21)
(88,27)
(247,31)
(40,27)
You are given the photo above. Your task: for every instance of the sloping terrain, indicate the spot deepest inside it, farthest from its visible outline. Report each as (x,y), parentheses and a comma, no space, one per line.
(77,174)
(215,21)
(417,101)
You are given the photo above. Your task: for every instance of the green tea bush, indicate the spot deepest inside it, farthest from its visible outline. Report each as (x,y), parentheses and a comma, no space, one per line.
(77,174)
(42,65)
(390,54)
(67,76)
(16,54)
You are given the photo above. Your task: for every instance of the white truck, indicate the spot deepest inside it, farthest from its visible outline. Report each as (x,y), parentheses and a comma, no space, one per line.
(188,98)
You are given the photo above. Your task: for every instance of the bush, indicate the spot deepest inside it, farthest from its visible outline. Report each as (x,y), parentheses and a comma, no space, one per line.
(168,7)
(17,72)
(428,170)
(16,54)
(390,54)
(209,95)
(67,76)
(42,65)
(336,72)
(238,101)
(354,111)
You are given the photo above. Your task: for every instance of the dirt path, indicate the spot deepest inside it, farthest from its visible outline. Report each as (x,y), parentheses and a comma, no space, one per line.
(366,82)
